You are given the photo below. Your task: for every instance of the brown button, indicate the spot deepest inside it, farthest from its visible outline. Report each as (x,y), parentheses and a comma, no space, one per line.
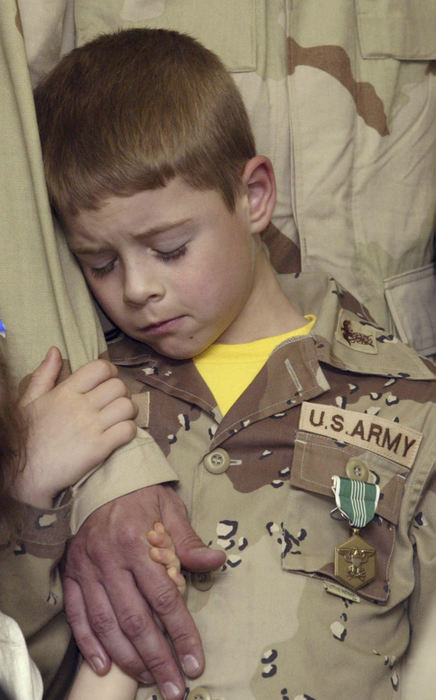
(199,694)
(356,469)
(217,462)
(202,581)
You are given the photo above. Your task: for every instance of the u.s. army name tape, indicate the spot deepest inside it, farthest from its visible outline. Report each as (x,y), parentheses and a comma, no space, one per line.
(379,435)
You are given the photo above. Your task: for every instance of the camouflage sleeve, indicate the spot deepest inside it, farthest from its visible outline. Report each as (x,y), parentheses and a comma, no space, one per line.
(418,673)
(137,465)
(30,585)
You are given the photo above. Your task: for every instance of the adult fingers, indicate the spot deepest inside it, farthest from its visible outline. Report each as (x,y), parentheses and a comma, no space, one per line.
(86,640)
(170,608)
(91,615)
(138,625)
(160,592)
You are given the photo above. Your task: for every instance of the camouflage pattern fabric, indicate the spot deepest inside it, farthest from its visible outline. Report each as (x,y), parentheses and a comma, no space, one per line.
(258,483)
(31,591)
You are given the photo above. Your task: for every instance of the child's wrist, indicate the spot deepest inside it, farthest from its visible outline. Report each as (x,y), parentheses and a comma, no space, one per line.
(25,490)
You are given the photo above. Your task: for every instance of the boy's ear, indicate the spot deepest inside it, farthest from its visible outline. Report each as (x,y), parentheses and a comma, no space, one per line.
(258,178)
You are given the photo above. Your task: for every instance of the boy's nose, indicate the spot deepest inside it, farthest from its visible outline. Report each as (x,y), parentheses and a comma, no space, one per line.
(139,287)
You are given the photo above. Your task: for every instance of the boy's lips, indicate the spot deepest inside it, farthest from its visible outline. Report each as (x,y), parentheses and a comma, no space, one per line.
(162,326)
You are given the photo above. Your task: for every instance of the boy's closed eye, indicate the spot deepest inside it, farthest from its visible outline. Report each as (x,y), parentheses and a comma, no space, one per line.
(168,255)
(102,271)
(164,255)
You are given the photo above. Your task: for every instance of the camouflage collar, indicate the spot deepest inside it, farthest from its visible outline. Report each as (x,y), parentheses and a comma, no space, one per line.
(346,335)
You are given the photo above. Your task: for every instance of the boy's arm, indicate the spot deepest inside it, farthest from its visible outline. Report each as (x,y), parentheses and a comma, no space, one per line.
(116,685)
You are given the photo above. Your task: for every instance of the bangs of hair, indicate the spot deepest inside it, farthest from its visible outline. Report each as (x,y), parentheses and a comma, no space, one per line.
(132,110)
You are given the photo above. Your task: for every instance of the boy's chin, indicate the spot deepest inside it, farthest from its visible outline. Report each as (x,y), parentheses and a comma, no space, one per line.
(172,350)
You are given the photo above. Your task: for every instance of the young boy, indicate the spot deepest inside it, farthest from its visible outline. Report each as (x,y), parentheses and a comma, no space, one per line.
(306,451)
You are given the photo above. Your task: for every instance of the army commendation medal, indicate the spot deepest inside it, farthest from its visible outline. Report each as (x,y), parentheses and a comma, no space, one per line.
(355,559)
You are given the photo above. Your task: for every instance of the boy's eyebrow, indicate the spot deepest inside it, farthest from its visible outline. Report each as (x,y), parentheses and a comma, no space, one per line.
(89,249)
(161,228)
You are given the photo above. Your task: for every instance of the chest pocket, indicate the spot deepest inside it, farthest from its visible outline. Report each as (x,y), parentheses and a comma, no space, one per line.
(401,29)
(313,528)
(226,27)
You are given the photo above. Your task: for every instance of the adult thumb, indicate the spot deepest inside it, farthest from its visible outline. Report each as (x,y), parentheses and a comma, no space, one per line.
(44,377)
(193,553)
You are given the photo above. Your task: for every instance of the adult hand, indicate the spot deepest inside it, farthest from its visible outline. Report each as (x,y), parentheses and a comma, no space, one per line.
(113,590)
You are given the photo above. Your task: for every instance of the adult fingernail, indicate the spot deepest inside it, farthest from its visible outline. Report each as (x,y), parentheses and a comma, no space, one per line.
(190,665)
(97,664)
(170,691)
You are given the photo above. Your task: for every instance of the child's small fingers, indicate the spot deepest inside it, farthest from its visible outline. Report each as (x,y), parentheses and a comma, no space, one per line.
(160,539)
(162,556)
(116,411)
(154,538)
(178,578)
(155,554)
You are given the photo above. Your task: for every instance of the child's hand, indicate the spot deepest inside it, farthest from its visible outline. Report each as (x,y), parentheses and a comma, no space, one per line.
(162,551)
(72,426)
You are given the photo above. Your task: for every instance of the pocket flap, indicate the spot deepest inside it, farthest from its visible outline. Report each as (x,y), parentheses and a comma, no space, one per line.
(410,298)
(318,458)
(402,29)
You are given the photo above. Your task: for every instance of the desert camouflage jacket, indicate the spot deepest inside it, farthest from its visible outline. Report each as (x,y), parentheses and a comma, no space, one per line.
(276,621)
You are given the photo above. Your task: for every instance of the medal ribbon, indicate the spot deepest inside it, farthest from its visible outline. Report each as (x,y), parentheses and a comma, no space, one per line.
(356,500)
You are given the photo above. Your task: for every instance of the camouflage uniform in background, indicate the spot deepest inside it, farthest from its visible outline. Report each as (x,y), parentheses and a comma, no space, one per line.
(257,482)
(342,98)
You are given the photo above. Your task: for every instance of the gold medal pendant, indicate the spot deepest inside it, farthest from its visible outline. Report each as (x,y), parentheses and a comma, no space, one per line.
(355,562)
(357,501)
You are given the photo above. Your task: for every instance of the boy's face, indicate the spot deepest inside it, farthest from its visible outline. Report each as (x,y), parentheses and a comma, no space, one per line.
(172,267)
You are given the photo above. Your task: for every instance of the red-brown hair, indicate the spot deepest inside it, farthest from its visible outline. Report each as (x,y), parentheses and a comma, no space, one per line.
(131,110)
(12,432)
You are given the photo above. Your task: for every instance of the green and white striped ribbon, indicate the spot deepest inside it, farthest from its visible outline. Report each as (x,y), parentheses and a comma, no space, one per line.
(357,500)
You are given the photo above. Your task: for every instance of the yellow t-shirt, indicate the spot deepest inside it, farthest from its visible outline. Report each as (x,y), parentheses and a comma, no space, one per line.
(229,369)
